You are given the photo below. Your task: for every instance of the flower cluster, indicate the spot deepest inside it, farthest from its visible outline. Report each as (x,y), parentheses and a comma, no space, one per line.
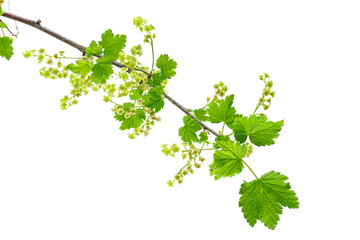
(267,94)
(191,153)
(140,23)
(54,68)
(220,90)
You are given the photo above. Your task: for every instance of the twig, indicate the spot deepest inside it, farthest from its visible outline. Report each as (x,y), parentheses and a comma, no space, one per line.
(37,24)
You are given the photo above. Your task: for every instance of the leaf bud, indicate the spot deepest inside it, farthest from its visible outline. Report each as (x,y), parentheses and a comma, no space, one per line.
(177,177)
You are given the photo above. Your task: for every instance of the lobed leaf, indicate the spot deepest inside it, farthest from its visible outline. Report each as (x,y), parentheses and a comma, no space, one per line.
(260,131)
(6,49)
(222,111)
(187,133)
(264,198)
(167,66)
(227,161)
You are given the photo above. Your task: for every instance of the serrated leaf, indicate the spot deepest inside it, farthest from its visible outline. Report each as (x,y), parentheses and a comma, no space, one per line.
(6,49)
(222,111)
(94,48)
(264,198)
(220,138)
(167,66)
(187,132)
(102,70)
(156,79)
(260,131)
(228,161)
(81,67)
(136,94)
(154,98)
(134,121)
(112,44)
(203,137)
(201,114)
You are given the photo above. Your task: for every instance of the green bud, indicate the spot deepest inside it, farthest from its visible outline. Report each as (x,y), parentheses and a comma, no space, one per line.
(177,177)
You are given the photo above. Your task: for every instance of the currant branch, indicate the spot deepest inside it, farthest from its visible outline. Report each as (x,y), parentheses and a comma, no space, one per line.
(261,199)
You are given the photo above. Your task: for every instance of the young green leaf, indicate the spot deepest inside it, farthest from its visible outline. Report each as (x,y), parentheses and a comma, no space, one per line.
(222,111)
(133,121)
(167,66)
(264,198)
(156,79)
(6,49)
(201,114)
(81,67)
(260,131)
(154,98)
(136,94)
(112,44)
(102,70)
(187,132)
(228,161)
(94,48)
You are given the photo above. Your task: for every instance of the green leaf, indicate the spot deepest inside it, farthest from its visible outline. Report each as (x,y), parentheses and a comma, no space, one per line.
(2,25)
(136,94)
(102,70)
(222,111)
(112,44)
(154,98)
(203,137)
(81,67)
(260,131)
(228,161)
(156,79)
(220,138)
(94,48)
(264,198)
(187,132)
(201,114)
(6,50)
(167,66)
(134,121)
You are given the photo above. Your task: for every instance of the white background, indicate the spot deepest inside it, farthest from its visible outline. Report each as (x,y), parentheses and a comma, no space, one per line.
(74,175)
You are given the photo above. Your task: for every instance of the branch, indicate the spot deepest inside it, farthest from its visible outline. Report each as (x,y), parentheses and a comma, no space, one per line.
(37,24)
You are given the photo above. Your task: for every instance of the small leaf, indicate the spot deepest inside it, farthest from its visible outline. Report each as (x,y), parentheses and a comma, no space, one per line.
(167,66)
(136,94)
(6,49)
(154,98)
(102,70)
(222,111)
(81,67)
(156,79)
(228,161)
(260,131)
(201,115)
(94,48)
(134,121)
(112,44)
(187,133)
